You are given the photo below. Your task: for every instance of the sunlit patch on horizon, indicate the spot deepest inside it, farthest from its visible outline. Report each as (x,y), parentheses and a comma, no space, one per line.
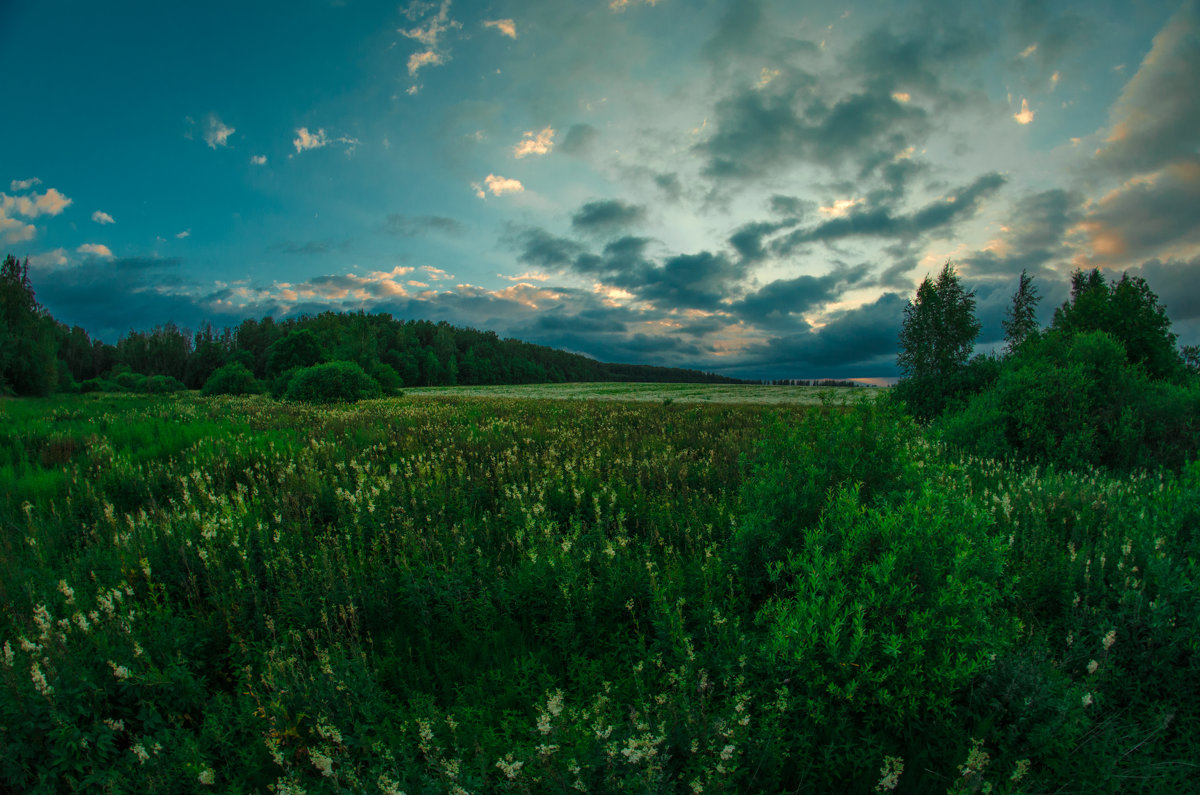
(1025,116)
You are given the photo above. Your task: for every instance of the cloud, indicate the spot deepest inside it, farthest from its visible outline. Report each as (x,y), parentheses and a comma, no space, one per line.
(13,230)
(420,225)
(102,218)
(607,216)
(428,33)
(216,133)
(506,26)
(881,222)
(258,160)
(531,144)
(670,185)
(1034,238)
(24,184)
(783,303)
(497,185)
(52,202)
(1154,121)
(306,140)
(617,6)
(1146,216)
(747,240)
(1177,283)
(95,250)
(579,139)
(1025,115)
(184,234)
(312,247)
(539,248)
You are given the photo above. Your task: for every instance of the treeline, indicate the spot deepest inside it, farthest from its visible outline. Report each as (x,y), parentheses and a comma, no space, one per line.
(39,355)
(1104,385)
(811,382)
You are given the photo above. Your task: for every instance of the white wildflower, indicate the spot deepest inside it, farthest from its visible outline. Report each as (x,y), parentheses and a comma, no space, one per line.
(1110,639)
(119,671)
(66,591)
(207,776)
(139,751)
(1092,666)
(1087,700)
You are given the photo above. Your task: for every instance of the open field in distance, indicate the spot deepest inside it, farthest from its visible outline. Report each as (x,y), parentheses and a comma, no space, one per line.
(676,393)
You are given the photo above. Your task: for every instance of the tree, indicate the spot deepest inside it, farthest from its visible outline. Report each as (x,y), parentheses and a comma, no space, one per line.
(936,340)
(28,339)
(1127,309)
(1020,321)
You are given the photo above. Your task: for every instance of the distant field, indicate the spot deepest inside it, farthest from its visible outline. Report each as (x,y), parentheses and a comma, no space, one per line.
(678,393)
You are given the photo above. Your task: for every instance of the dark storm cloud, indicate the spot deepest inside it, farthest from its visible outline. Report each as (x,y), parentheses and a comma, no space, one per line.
(782,303)
(599,217)
(111,297)
(745,33)
(760,131)
(689,281)
(918,59)
(539,248)
(855,342)
(418,225)
(747,240)
(1145,217)
(1176,283)
(1156,120)
(312,247)
(670,185)
(1037,232)
(790,206)
(579,139)
(881,222)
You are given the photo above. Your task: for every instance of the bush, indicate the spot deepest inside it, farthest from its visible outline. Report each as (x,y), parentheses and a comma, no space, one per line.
(332,383)
(232,379)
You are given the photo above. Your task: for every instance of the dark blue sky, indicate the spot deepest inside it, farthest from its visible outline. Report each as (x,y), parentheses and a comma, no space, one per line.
(750,187)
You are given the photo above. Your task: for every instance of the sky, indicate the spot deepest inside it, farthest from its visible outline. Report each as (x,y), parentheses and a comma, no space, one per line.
(750,187)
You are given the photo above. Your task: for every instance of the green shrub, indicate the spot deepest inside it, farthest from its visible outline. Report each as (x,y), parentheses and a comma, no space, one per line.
(232,379)
(332,383)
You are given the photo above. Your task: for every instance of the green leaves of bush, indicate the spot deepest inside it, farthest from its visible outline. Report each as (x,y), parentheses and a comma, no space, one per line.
(333,382)
(232,379)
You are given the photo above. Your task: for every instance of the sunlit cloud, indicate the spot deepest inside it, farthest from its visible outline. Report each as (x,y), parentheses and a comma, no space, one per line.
(24,184)
(1025,116)
(506,26)
(901,96)
(95,250)
(527,276)
(498,186)
(840,207)
(531,144)
(102,218)
(258,160)
(1028,51)
(617,6)
(766,76)
(306,140)
(13,230)
(421,59)
(428,34)
(216,132)
(184,234)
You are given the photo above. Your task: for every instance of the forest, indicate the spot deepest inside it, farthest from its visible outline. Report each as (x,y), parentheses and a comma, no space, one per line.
(41,356)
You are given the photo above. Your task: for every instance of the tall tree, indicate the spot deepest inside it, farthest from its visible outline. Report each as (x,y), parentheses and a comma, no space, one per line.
(939,329)
(28,337)
(1020,320)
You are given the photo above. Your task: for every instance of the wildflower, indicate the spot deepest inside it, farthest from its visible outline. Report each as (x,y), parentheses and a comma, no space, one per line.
(8,655)
(115,725)
(321,761)
(388,785)
(66,591)
(119,671)
(207,776)
(889,774)
(39,680)
(727,753)
(1021,769)
(139,751)
(81,621)
(696,786)
(1110,639)
(509,767)
(1092,666)
(1087,700)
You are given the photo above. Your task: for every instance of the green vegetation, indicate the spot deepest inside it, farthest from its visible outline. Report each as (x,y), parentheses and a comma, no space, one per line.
(40,356)
(332,382)
(487,594)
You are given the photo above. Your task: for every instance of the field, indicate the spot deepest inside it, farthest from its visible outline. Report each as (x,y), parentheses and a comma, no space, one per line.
(674,393)
(438,593)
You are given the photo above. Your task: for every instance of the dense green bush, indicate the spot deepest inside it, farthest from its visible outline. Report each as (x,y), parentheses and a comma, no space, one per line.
(231,379)
(333,382)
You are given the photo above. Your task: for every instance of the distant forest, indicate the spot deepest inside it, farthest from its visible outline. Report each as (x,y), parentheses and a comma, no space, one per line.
(40,355)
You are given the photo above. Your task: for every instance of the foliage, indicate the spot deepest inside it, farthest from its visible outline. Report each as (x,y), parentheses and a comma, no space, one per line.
(331,382)
(232,379)
(1020,321)
(431,595)
(28,345)
(936,340)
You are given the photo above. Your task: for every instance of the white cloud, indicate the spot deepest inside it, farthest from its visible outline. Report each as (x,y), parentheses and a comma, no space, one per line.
(95,249)
(497,185)
(216,132)
(436,274)
(617,6)
(539,144)
(24,184)
(506,26)
(48,259)
(15,231)
(49,203)
(184,234)
(102,218)
(901,96)
(428,34)
(307,140)
(258,160)
(1028,51)
(527,276)
(1026,115)
(840,207)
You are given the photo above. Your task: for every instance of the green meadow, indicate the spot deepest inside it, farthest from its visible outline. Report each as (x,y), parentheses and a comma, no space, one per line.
(458,591)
